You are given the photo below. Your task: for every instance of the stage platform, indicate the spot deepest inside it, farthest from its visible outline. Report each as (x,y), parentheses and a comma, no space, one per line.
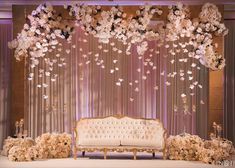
(114,160)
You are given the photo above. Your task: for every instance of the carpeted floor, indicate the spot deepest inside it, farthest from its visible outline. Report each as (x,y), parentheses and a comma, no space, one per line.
(113,161)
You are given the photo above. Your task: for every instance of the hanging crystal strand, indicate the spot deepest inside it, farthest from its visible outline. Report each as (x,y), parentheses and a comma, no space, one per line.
(184,130)
(185,108)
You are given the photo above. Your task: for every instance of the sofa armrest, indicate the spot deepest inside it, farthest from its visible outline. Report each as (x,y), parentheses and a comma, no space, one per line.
(75,136)
(75,139)
(165,144)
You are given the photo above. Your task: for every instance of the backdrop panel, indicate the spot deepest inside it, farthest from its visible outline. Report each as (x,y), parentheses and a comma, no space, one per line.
(86,89)
(5,57)
(229,85)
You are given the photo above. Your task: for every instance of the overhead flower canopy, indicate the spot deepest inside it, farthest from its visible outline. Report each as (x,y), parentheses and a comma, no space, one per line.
(44,27)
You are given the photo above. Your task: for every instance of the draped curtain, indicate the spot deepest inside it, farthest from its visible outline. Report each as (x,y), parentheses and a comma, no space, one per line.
(5,57)
(100,80)
(229,85)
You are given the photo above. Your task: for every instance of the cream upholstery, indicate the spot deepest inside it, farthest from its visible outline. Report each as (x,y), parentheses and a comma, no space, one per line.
(125,131)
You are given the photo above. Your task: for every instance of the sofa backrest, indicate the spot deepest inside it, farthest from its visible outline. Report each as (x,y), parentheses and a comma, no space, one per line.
(126,131)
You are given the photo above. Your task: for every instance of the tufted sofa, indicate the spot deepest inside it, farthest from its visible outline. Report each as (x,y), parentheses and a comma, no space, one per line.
(119,134)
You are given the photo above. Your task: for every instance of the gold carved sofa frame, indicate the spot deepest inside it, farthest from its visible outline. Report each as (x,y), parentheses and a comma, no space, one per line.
(106,149)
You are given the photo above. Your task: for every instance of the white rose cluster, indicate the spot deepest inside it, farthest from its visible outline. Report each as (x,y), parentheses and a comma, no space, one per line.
(40,35)
(216,150)
(45,146)
(207,25)
(115,23)
(192,147)
(179,23)
(54,145)
(44,28)
(40,32)
(184,147)
(10,142)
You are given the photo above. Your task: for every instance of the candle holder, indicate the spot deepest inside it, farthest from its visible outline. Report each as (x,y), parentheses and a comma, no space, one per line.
(212,136)
(16,128)
(215,128)
(25,133)
(20,132)
(219,131)
(21,127)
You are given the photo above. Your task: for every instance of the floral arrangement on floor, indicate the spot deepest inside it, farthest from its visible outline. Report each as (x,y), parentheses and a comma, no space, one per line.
(184,147)
(216,150)
(10,142)
(45,146)
(192,147)
(54,145)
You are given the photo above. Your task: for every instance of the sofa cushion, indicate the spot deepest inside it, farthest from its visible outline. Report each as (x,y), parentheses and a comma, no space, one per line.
(98,142)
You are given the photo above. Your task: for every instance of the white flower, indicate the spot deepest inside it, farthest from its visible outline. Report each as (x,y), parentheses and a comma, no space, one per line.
(13,44)
(210,13)
(11,142)
(142,48)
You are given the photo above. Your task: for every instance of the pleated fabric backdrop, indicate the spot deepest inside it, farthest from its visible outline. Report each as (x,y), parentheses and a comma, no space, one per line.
(229,85)
(5,58)
(85,89)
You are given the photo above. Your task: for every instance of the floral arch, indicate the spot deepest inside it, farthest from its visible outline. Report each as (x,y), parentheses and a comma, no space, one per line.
(44,27)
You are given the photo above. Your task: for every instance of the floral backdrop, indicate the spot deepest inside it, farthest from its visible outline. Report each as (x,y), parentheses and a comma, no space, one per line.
(115,63)
(44,27)
(83,89)
(183,39)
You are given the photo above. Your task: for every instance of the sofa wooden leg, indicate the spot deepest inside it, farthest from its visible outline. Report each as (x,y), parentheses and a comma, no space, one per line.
(75,153)
(83,153)
(134,152)
(105,153)
(153,154)
(164,155)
